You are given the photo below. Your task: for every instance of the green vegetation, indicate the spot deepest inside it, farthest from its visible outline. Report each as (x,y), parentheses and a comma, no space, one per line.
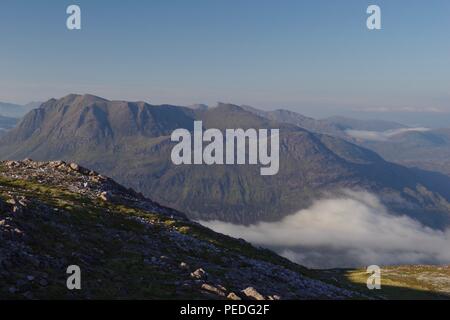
(400,282)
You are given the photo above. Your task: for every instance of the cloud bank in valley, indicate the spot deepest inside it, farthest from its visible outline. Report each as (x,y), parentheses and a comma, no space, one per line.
(346,231)
(381,135)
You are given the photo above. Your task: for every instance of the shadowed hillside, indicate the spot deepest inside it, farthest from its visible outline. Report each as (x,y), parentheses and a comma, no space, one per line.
(55,214)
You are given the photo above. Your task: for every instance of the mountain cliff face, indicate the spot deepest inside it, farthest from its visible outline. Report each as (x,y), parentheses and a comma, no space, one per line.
(131,142)
(54,214)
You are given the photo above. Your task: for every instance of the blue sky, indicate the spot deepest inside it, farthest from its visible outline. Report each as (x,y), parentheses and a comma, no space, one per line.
(316,57)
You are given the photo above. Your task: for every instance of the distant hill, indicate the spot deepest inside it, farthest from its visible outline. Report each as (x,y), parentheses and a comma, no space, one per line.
(336,126)
(130,141)
(13,110)
(428,150)
(33,105)
(414,147)
(291,117)
(344,123)
(7,123)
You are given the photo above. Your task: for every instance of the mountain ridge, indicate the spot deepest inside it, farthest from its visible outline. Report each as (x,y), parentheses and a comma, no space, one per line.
(130,141)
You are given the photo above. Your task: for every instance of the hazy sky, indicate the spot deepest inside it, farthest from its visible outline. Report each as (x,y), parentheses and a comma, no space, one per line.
(312,56)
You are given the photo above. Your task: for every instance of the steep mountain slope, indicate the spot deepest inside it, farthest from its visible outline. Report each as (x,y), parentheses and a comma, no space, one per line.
(131,142)
(53,215)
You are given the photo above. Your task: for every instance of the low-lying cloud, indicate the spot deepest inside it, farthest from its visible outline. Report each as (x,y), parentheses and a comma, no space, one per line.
(381,135)
(346,231)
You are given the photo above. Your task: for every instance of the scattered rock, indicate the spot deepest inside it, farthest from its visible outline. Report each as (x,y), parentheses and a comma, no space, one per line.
(212,289)
(199,274)
(184,266)
(105,196)
(12,201)
(11,164)
(252,293)
(56,164)
(74,167)
(233,296)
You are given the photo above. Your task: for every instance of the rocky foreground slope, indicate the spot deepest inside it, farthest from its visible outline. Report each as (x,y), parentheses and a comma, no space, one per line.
(54,214)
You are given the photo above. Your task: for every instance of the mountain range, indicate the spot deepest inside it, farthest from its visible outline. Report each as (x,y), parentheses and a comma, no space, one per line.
(424,148)
(428,149)
(130,141)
